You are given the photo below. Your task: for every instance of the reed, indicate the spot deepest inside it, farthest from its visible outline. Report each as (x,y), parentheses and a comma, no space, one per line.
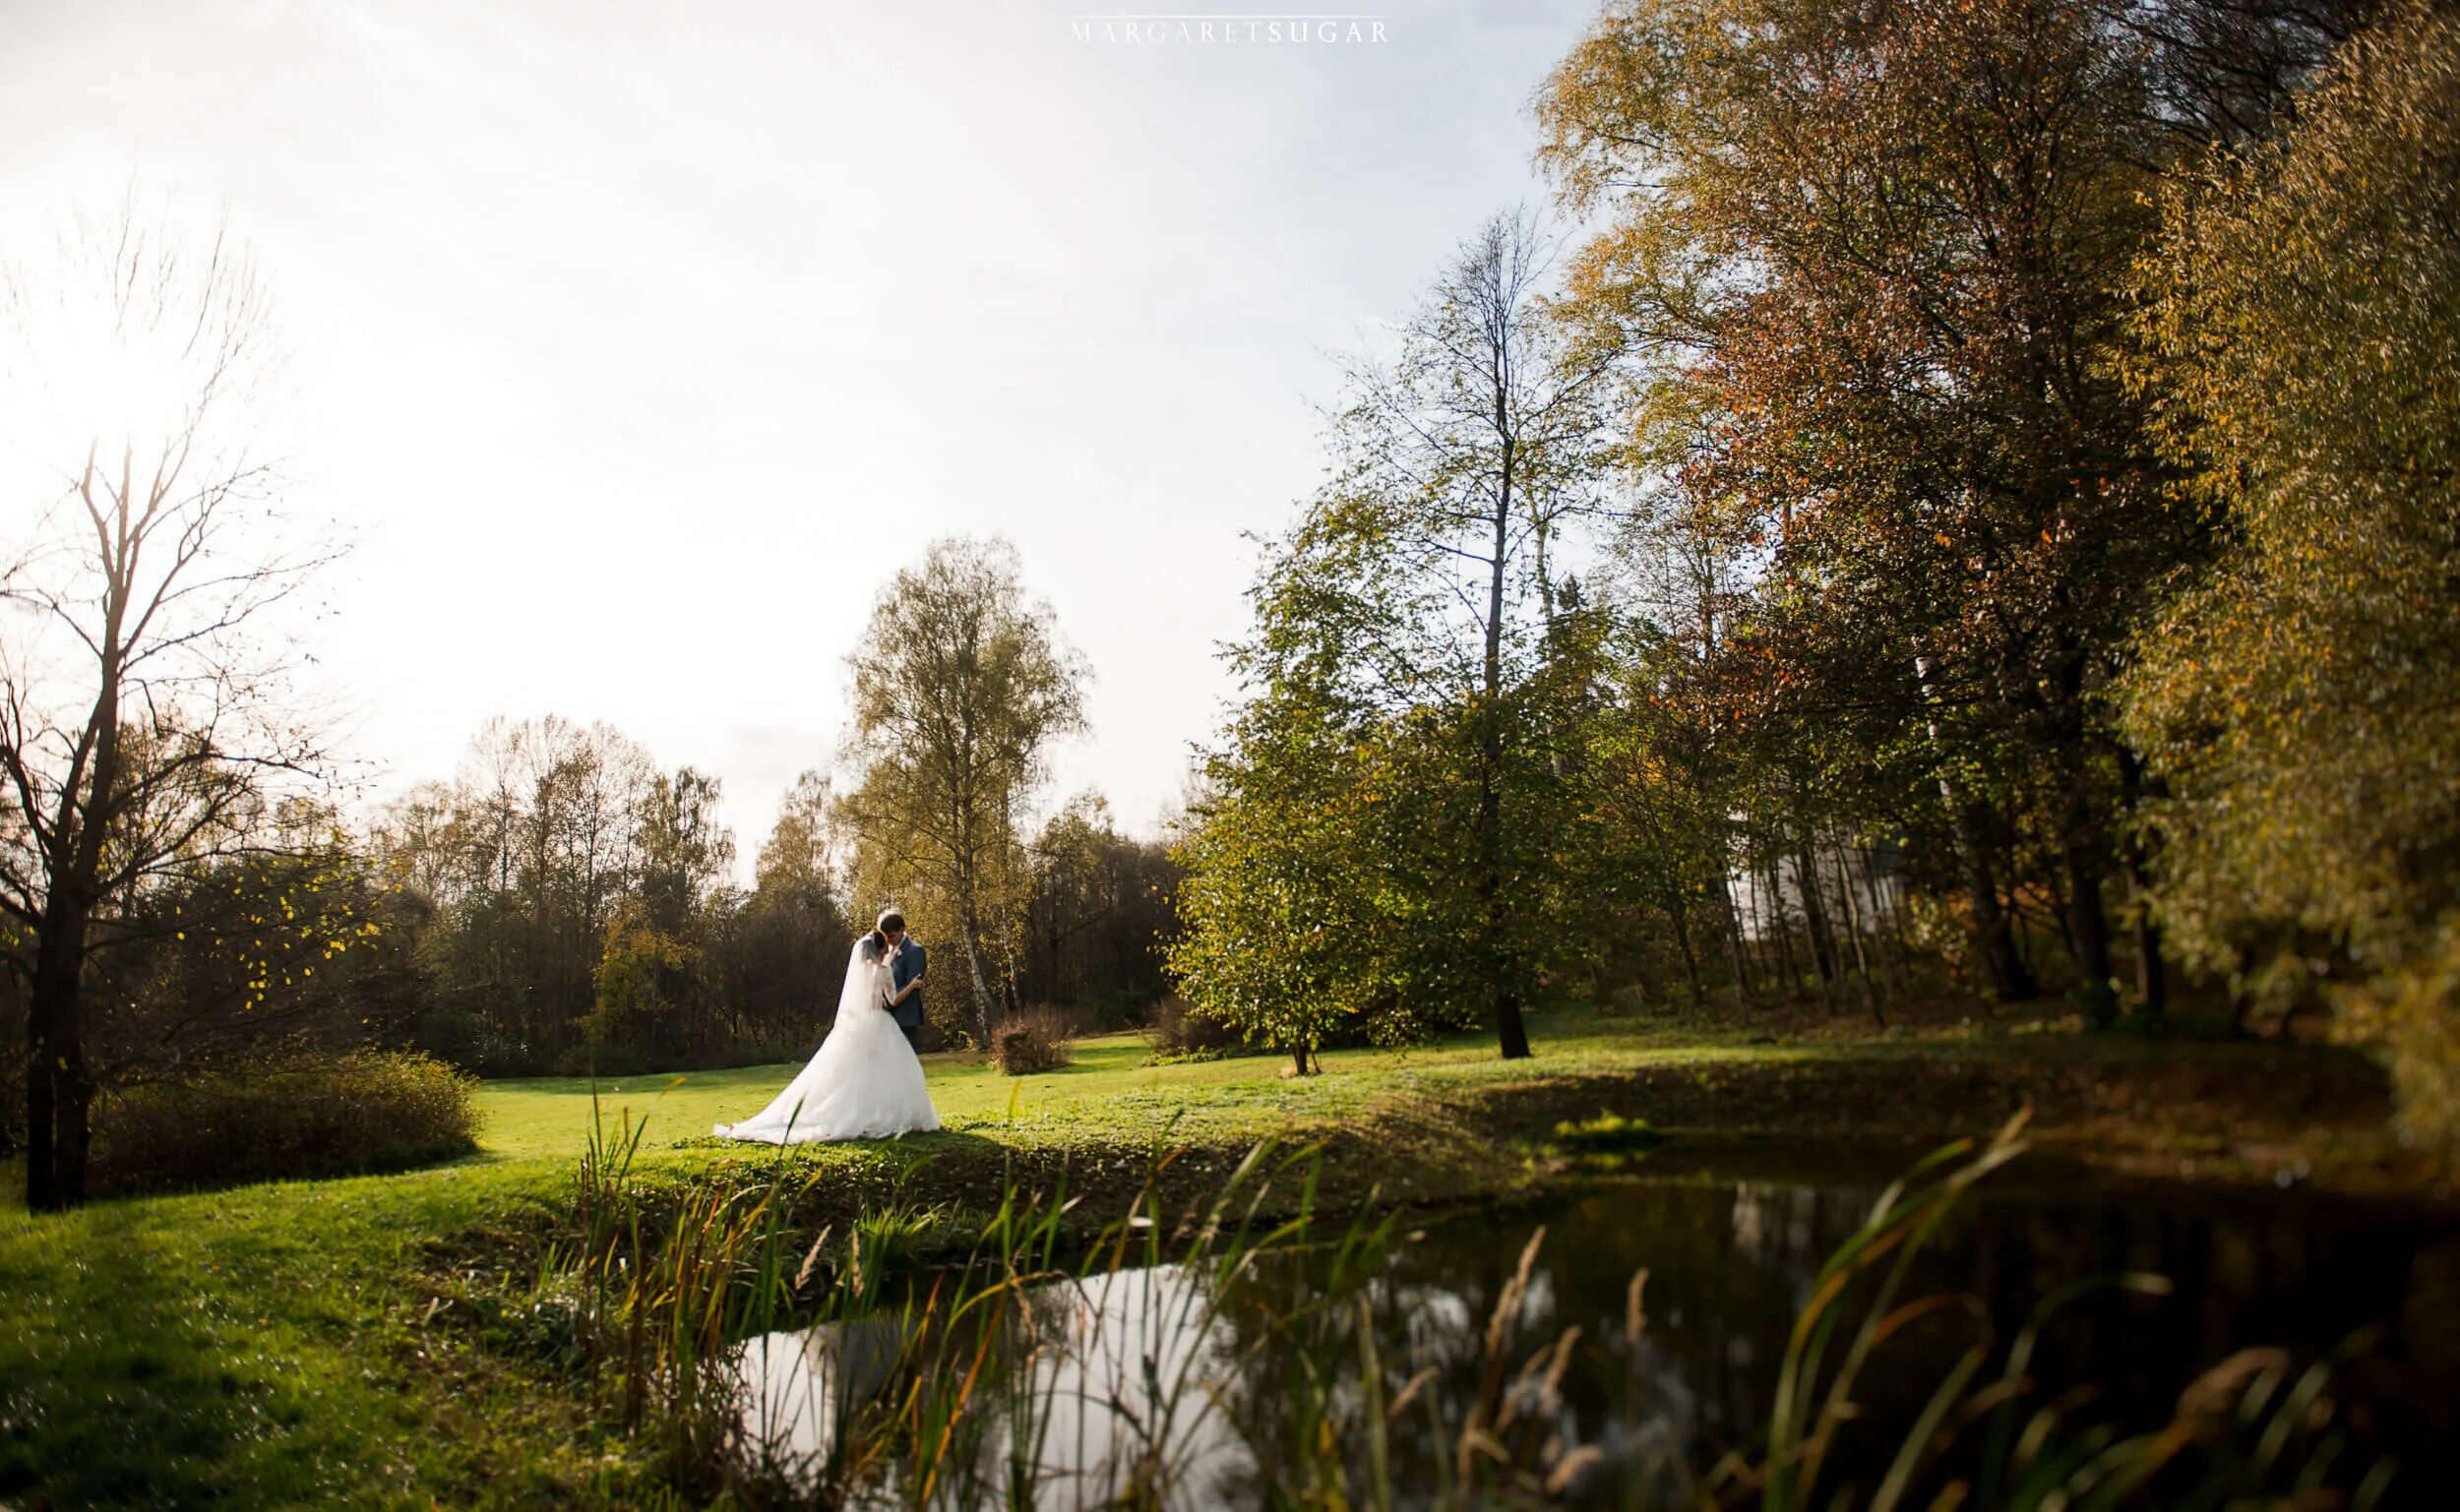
(1168,1333)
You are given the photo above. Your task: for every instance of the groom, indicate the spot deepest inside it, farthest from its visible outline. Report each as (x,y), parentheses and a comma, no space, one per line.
(906,961)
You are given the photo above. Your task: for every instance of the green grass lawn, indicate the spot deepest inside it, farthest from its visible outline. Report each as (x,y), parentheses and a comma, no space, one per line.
(280,1345)
(1106,1088)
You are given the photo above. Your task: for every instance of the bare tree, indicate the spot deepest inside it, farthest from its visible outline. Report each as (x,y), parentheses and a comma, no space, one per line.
(145,709)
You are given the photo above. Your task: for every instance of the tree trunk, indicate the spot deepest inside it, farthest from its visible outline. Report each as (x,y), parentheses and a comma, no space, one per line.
(59,1088)
(1785,930)
(1510,1033)
(1683,939)
(2152,985)
(2152,982)
(42,1179)
(2011,979)
(1886,926)
(1734,938)
(969,934)
(2088,922)
(1823,957)
(1854,932)
(59,969)
(1510,1029)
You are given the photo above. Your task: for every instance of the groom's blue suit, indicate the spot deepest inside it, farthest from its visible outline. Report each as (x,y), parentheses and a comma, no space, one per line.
(905,963)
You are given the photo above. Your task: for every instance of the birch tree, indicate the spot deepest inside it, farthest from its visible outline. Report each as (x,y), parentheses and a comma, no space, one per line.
(962,685)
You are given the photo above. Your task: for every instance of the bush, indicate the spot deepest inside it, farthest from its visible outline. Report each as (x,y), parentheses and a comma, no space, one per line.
(1180,1033)
(310,1116)
(1035,1040)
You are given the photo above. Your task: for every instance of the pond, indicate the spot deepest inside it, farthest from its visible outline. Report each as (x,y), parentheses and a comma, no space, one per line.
(1240,1383)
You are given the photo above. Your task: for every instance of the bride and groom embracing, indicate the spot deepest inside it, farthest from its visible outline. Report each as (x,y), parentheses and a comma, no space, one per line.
(866,1079)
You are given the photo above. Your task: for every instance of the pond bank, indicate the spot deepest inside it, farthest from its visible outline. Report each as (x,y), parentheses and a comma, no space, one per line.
(1446,1127)
(263,1346)
(1681,1296)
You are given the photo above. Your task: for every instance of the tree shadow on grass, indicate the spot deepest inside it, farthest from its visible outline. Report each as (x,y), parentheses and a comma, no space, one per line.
(135,1379)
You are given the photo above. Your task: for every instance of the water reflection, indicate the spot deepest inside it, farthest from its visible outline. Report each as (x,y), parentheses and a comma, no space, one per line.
(1118,1380)
(1158,1377)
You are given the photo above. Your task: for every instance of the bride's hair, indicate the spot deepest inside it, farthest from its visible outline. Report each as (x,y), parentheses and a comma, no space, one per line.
(872,944)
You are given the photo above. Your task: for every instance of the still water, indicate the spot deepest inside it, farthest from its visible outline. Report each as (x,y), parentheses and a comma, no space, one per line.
(1225,1385)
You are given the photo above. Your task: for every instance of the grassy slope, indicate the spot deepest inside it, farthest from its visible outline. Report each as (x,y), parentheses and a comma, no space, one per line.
(272,1345)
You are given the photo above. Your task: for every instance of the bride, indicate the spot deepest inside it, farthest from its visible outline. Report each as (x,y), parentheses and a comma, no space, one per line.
(864,1082)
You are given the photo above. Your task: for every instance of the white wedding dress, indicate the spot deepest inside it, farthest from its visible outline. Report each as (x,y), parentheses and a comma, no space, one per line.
(864,1081)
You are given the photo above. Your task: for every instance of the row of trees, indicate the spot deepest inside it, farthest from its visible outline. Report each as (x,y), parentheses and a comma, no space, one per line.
(565,904)
(2002,446)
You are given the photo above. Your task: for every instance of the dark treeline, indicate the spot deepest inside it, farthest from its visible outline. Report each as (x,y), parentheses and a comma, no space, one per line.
(569,904)
(562,904)
(1907,551)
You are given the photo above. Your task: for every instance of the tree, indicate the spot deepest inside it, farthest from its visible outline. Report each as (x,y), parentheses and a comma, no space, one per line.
(1868,267)
(685,853)
(961,682)
(523,860)
(791,932)
(2302,701)
(143,709)
(685,858)
(1463,462)
(294,939)
(1101,908)
(1386,841)
(1276,935)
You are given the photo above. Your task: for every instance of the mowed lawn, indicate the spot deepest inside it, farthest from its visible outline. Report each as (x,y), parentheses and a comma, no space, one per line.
(1110,1094)
(1107,1088)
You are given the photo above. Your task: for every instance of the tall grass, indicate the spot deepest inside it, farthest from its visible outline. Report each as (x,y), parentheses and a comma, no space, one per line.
(1053,1362)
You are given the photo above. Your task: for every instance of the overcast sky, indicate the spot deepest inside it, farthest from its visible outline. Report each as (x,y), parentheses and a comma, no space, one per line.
(636,344)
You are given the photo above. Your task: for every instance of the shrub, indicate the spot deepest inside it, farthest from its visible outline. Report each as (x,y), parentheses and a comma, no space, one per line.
(1180,1033)
(1035,1040)
(1608,1133)
(309,1115)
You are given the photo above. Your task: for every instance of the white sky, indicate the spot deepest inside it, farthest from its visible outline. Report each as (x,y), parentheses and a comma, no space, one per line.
(635,344)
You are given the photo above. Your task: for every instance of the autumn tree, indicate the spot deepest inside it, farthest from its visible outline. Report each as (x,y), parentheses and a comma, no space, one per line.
(2303,701)
(655,981)
(1386,841)
(1284,931)
(295,941)
(145,708)
(523,860)
(961,684)
(1867,270)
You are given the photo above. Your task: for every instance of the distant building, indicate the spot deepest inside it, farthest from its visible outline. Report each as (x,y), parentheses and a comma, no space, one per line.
(1860,890)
